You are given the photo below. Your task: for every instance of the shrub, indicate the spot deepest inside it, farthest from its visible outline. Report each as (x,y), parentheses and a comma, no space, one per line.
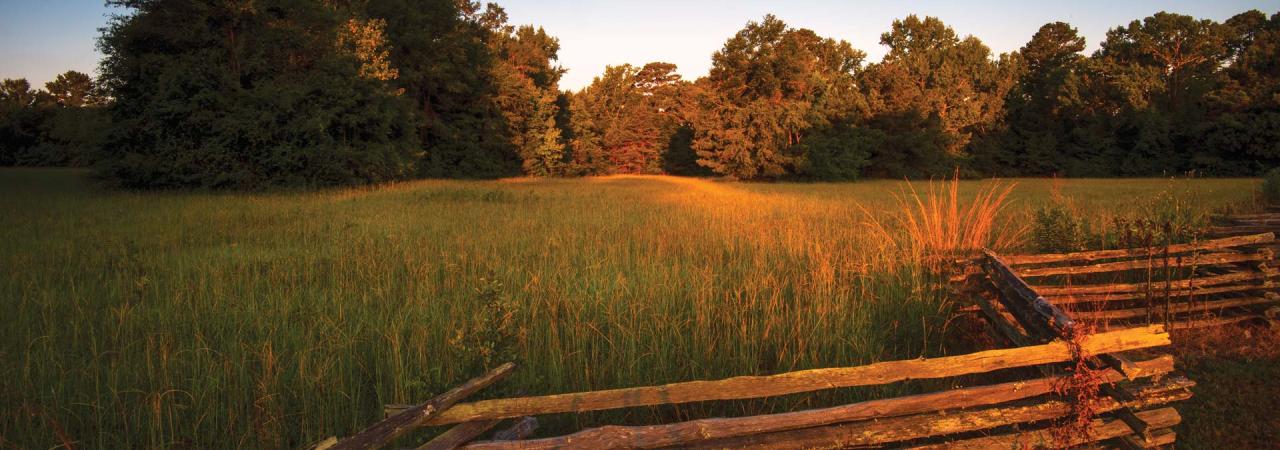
(1057,229)
(1271,186)
(492,336)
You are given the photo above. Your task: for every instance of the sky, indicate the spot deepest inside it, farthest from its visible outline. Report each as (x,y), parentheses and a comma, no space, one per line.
(42,38)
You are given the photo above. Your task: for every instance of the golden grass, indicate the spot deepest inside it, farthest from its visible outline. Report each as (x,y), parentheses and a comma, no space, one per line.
(936,224)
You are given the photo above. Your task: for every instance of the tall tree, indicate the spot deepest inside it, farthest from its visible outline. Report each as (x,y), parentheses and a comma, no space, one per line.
(932,81)
(19,121)
(625,119)
(1179,51)
(73,89)
(769,86)
(441,49)
(1243,137)
(62,126)
(1157,72)
(1040,110)
(528,86)
(246,94)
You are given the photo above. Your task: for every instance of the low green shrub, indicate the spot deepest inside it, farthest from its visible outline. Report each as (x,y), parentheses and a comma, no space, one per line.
(1058,229)
(1271,186)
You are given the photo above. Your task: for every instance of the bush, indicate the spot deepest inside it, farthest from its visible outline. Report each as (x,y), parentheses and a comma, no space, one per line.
(1058,229)
(1271,187)
(494,333)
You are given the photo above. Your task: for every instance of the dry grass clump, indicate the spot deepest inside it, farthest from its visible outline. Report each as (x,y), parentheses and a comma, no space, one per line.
(938,223)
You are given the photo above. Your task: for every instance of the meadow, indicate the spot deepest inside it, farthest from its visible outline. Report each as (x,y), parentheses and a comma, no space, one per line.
(270,320)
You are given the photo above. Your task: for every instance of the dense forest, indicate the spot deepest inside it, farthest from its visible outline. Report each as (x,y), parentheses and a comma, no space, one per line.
(248,95)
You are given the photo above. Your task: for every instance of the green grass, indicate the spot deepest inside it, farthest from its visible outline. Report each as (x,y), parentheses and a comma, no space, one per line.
(1236,394)
(208,320)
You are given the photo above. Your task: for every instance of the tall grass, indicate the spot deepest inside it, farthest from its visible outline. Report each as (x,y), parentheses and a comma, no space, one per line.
(937,223)
(150,320)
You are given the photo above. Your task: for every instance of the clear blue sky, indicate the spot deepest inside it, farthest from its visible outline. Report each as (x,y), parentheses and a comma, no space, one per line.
(41,38)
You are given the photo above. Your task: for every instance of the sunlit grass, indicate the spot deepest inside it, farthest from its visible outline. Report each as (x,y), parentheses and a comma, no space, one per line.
(271,320)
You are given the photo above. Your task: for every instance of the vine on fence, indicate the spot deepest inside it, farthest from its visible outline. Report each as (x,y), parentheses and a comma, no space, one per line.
(1082,388)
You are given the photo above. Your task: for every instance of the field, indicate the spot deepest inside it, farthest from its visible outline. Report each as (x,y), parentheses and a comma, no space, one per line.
(272,320)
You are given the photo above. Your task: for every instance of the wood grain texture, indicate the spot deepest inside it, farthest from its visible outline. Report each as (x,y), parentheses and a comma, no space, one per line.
(1213,280)
(721,428)
(1177,308)
(458,435)
(801,381)
(1102,429)
(899,429)
(1121,266)
(1159,294)
(1089,256)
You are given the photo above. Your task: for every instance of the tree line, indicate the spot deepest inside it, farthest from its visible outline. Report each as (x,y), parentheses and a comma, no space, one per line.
(247,95)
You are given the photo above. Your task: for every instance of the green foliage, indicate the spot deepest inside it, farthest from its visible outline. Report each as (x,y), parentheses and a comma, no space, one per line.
(20,121)
(493,334)
(624,120)
(839,154)
(62,125)
(937,92)
(1165,95)
(1271,187)
(1058,229)
(441,49)
(73,90)
(212,95)
(768,86)
(527,95)
(292,92)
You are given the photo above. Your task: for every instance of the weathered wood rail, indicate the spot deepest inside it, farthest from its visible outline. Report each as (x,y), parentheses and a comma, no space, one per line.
(1242,224)
(1187,285)
(963,415)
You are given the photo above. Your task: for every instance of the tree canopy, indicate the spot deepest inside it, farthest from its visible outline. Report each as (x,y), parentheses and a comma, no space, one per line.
(257,94)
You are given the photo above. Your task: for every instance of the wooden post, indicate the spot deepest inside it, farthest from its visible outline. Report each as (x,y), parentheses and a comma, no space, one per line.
(1003,276)
(1048,320)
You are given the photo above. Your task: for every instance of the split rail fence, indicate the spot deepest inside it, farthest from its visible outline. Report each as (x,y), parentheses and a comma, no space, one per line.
(997,415)
(1132,295)
(1136,380)
(1241,224)
(1206,283)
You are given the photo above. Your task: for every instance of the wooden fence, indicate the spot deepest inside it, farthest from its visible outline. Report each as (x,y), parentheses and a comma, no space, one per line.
(979,416)
(1015,413)
(1205,283)
(1231,225)
(1133,294)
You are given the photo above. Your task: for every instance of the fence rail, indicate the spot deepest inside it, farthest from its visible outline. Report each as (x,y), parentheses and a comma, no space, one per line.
(1184,285)
(1042,322)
